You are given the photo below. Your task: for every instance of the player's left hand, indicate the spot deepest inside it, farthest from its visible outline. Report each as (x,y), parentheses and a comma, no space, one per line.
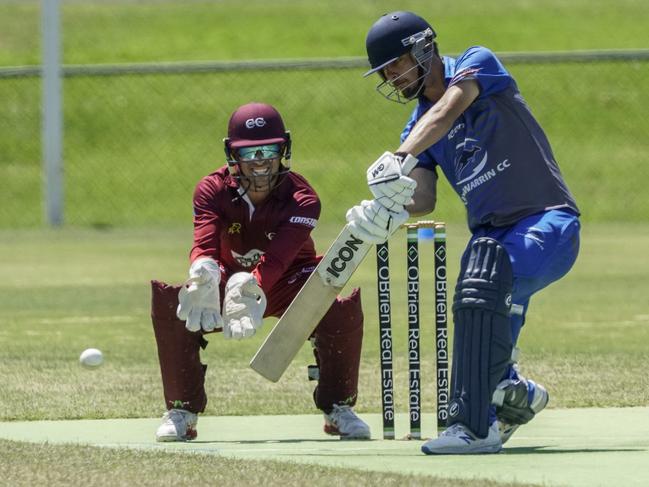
(244,304)
(372,222)
(389,182)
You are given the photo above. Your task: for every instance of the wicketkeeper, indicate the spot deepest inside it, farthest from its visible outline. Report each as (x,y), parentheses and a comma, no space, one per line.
(252,253)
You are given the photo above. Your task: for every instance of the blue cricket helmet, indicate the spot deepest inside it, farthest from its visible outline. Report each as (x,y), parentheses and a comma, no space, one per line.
(393,35)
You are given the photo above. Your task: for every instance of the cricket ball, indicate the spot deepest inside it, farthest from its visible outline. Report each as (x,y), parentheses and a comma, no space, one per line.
(91,358)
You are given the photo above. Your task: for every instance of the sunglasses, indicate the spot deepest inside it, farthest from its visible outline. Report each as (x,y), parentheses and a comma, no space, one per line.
(259,152)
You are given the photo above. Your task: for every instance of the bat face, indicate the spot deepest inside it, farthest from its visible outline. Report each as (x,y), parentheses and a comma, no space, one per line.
(310,305)
(347,252)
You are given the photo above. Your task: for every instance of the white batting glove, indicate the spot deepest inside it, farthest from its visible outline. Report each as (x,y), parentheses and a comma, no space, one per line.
(199,296)
(244,304)
(372,222)
(389,182)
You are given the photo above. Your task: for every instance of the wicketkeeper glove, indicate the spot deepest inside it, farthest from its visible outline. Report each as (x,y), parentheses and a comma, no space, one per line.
(244,304)
(389,182)
(372,222)
(199,297)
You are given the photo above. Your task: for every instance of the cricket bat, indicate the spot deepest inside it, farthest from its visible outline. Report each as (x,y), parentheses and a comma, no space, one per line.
(309,306)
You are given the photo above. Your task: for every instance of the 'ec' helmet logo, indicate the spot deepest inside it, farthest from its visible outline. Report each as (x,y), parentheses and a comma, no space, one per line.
(251,123)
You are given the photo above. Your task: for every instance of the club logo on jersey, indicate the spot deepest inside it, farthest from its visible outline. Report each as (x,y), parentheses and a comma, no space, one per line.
(270,235)
(251,123)
(234,228)
(472,156)
(466,155)
(302,220)
(250,259)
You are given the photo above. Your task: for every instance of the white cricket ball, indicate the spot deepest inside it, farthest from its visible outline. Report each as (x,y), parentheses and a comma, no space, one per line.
(91,358)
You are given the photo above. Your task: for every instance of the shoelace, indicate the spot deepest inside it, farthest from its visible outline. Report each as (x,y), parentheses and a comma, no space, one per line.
(454,429)
(341,412)
(173,416)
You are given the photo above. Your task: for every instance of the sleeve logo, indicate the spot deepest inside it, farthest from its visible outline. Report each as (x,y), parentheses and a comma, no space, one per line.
(302,220)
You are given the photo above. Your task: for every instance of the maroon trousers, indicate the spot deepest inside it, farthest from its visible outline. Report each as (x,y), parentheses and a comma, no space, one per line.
(337,345)
(183,375)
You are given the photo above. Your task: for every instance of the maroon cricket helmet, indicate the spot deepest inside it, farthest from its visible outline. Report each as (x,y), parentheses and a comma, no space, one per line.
(256,124)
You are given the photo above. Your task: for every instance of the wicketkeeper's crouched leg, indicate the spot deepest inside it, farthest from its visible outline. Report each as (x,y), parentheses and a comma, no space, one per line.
(337,348)
(183,375)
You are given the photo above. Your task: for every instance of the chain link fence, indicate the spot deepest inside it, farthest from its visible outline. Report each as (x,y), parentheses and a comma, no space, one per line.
(137,138)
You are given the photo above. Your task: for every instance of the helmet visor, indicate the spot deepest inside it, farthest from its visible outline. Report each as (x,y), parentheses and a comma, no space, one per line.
(380,67)
(259,152)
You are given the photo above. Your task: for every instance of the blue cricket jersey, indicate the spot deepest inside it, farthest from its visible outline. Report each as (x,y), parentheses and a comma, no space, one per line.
(496,155)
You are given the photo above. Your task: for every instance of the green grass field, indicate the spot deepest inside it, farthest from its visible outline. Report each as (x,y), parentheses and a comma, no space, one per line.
(90,289)
(135,146)
(105,466)
(64,291)
(257,29)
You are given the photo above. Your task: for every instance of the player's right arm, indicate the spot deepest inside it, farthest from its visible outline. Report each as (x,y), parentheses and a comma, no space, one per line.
(392,179)
(199,298)
(438,120)
(479,73)
(207,221)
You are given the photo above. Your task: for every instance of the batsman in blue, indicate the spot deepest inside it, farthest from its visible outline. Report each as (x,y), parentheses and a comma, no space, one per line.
(472,123)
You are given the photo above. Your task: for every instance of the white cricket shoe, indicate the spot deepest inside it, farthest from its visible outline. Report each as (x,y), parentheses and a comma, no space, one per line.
(457,439)
(540,397)
(342,421)
(177,425)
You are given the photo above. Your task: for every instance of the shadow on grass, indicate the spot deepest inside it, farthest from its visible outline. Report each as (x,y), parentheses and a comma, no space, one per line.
(285,441)
(545,450)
